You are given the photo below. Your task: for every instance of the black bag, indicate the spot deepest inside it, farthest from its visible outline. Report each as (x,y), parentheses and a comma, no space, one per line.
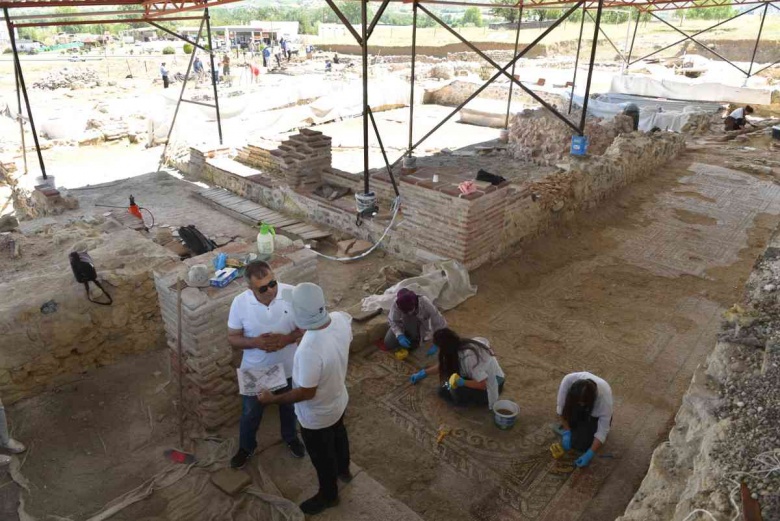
(84,271)
(195,240)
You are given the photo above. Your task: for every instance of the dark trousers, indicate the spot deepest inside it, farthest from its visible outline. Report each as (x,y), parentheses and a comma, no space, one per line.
(733,124)
(252,413)
(468,396)
(265,62)
(583,432)
(328,449)
(411,329)
(165,82)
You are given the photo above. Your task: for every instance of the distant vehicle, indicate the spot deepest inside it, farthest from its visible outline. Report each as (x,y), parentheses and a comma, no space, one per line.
(76,58)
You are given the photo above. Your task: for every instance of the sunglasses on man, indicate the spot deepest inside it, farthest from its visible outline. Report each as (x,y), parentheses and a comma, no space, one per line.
(263,289)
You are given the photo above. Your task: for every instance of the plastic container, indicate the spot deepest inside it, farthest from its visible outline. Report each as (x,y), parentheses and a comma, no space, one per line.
(365,201)
(505,414)
(579,145)
(265,241)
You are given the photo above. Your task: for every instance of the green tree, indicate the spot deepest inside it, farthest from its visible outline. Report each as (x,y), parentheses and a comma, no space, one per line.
(508,14)
(351,11)
(473,16)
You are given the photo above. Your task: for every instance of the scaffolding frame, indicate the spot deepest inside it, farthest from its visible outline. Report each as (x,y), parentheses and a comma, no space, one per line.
(155,12)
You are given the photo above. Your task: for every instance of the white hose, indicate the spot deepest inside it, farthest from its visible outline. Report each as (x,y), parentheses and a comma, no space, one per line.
(396,205)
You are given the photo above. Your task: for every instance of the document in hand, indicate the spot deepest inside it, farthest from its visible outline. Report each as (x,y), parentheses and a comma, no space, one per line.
(252,381)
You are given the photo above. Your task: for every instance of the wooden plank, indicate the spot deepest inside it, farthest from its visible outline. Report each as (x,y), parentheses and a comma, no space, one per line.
(261,213)
(296,228)
(320,234)
(227,211)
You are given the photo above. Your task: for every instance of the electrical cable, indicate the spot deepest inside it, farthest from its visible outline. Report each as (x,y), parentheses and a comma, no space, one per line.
(396,206)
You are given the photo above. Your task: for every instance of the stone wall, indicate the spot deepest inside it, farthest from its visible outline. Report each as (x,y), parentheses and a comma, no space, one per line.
(50,332)
(538,136)
(210,385)
(728,418)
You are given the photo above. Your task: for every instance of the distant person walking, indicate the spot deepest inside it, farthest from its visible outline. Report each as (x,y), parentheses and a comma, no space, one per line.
(198,67)
(164,74)
(283,43)
(266,56)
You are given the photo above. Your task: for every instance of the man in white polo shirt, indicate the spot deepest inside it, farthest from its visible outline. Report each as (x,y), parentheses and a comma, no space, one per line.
(262,325)
(320,394)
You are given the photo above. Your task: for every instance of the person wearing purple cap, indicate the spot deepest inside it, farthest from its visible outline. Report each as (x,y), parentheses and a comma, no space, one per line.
(413,319)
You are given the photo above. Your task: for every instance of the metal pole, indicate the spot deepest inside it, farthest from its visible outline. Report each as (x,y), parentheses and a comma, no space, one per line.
(344,20)
(377,16)
(18,66)
(364,50)
(19,117)
(180,37)
(590,66)
(181,95)
(213,71)
(414,60)
(577,58)
(758,39)
(633,39)
(511,83)
(382,148)
(620,54)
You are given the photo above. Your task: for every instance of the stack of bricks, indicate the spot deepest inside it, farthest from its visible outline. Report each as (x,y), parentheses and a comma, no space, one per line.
(210,386)
(439,218)
(258,155)
(304,157)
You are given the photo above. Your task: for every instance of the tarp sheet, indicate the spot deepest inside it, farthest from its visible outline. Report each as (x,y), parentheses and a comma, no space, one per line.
(681,90)
(488,113)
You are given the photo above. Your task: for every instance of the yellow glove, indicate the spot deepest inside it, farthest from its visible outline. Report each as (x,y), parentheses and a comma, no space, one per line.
(456,381)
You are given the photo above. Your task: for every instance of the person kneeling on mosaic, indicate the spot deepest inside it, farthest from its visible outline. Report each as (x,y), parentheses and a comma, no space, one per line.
(412,318)
(585,410)
(468,370)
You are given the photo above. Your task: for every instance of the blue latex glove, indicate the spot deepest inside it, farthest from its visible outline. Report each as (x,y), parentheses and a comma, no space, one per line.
(566,440)
(584,460)
(432,351)
(404,341)
(461,382)
(420,375)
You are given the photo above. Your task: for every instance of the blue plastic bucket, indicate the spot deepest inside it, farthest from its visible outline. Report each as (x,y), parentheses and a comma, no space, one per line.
(505,414)
(579,145)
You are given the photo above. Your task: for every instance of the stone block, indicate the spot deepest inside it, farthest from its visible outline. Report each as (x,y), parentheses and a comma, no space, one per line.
(231,481)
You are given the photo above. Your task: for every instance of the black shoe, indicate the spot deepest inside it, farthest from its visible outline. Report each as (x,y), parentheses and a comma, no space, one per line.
(239,460)
(315,505)
(346,477)
(297,448)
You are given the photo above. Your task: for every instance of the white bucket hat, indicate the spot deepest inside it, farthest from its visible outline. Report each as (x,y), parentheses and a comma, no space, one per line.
(308,303)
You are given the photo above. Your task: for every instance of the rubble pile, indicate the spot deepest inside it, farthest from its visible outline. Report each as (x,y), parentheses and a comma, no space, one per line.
(69,79)
(538,136)
(702,123)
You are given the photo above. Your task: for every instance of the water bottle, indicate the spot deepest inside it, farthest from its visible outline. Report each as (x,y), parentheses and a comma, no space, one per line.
(265,241)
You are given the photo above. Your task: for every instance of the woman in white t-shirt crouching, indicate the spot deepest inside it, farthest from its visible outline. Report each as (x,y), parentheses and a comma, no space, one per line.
(468,369)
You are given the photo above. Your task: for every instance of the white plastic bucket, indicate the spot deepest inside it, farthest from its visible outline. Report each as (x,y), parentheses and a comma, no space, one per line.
(503,420)
(365,201)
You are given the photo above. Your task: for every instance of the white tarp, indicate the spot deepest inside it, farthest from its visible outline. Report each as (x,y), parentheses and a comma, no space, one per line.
(682,90)
(445,283)
(488,113)
(387,94)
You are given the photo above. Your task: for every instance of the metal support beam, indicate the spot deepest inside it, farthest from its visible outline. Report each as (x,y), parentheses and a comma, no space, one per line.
(364,53)
(758,39)
(104,21)
(691,38)
(493,78)
(19,116)
(384,154)
(180,37)
(622,58)
(377,16)
(633,39)
(193,102)
(590,67)
(213,70)
(577,58)
(181,95)
(344,21)
(502,71)
(765,68)
(411,81)
(20,76)
(697,33)
(512,83)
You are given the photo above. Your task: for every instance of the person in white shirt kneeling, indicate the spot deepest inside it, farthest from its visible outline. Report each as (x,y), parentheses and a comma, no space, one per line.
(468,370)
(261,324)
(320,393)
(585,410)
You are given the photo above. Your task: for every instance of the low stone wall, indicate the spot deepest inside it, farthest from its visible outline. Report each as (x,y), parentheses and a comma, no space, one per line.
(210,385)
(728,418)
(50,332)
(299,160)
(538,136)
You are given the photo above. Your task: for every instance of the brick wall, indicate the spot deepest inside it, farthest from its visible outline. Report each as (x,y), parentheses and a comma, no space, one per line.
(210,386)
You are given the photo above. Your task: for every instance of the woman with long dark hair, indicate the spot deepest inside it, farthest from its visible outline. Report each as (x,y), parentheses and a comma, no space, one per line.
(585,410)
(468,369)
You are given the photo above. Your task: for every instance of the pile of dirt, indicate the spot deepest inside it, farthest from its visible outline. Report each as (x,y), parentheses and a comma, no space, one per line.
(69,79)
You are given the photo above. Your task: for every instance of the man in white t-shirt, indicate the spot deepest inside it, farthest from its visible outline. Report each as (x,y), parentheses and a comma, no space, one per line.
(261,324)
(737,119)
(320,394)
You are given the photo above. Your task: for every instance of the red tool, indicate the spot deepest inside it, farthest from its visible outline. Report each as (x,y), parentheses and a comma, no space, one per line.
(134,210)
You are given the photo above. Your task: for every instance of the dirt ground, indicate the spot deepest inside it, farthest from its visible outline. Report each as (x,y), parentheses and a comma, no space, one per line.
(631,291)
